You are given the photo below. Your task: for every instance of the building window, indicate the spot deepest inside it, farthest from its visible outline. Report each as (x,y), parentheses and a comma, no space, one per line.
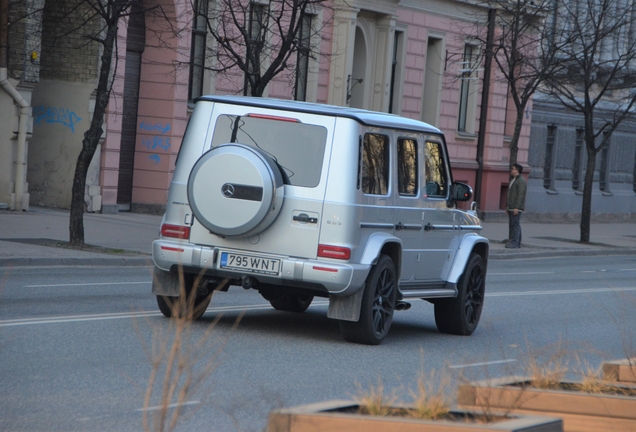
(197,57)
(436,180)
(578,159)
(302,60)
(604,169)
(548,166)
(466,121)
(254,46)
(375,164)
(407,166)
(396,73)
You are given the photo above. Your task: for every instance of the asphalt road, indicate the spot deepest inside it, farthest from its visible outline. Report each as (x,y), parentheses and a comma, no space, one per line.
(77,344)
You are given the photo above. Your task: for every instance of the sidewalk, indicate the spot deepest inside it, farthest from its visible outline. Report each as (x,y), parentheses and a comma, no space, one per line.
(32,239)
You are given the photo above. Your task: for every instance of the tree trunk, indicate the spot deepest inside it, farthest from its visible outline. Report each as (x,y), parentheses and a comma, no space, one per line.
(514,141)
(90,141)
(588,184)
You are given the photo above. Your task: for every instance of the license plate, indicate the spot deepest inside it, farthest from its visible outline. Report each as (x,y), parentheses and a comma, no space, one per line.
(249,263)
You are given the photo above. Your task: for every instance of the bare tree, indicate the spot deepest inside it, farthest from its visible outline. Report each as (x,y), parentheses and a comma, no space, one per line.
(523,61)
(261,39)
(97,20)
(597,50)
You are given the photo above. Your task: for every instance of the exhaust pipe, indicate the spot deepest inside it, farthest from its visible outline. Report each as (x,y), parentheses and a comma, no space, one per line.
(402,306)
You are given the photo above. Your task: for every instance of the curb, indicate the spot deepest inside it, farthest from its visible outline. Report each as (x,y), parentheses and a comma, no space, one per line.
(96,262)
(507,255)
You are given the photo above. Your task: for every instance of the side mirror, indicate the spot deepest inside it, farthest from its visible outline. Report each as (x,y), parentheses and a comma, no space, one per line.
(461,192)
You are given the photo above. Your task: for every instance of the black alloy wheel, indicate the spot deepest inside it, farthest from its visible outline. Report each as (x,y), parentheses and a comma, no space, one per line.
(378,305)
(460,316)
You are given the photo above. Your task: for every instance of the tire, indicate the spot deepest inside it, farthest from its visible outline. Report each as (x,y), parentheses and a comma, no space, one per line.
(378,305)
(292,302)
(243,181)
(185,306)
(460,316)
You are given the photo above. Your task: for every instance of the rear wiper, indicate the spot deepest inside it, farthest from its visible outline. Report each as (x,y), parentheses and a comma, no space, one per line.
(235,128)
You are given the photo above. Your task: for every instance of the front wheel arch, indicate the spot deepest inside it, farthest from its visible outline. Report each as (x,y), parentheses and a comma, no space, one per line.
(461,315)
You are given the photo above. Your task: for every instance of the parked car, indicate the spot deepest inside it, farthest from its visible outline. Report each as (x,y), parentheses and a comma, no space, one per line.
(300,200)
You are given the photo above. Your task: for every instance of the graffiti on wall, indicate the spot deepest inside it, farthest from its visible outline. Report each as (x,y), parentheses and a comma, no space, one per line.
(63,116)
(156,139)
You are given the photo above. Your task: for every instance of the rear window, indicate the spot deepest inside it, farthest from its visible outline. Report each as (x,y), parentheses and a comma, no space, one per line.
(298,148)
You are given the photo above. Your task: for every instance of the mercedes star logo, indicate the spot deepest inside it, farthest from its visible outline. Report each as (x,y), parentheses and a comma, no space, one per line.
(227,190)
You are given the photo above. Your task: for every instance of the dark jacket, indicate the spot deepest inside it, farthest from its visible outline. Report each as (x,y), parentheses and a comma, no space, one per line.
(517,194)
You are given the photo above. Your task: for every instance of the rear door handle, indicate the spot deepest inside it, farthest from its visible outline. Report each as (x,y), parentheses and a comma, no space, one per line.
(304,217)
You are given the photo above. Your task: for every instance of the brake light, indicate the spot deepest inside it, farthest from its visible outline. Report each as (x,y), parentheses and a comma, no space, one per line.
(271,117)
(175,231)
(326,269)
(337,252)
(172,249)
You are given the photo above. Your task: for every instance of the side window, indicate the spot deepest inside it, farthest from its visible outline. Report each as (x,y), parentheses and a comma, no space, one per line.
(436,179)
(375,164)
(407,166)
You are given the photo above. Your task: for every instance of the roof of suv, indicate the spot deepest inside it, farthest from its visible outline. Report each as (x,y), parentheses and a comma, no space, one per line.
(368,118)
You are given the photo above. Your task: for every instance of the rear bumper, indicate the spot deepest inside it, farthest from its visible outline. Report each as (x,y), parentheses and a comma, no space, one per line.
(337,278)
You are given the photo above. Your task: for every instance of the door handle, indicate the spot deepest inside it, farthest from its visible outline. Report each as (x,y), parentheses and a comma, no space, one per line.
(304,217)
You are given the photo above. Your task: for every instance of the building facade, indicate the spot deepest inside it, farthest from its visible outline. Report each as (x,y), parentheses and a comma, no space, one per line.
(409,57)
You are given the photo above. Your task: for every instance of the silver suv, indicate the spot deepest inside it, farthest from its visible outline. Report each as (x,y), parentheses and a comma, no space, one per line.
(300,200)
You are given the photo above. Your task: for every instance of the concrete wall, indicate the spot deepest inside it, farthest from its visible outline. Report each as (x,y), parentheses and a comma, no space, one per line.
(61,115)
(8,133)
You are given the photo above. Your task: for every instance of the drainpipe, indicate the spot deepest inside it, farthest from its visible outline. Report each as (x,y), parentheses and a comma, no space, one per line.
(23,123)
(20,101)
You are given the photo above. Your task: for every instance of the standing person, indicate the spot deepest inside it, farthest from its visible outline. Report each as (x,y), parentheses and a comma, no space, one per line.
(516,205)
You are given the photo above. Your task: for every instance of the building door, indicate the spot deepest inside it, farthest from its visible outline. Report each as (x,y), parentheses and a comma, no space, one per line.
(135,43)
(356,83)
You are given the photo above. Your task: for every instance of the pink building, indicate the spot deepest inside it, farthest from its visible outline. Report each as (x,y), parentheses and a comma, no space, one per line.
(409,57)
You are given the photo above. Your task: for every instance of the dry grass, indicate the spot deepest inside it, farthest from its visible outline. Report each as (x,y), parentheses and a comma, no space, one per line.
(546,372)
(431,401)
(374,400)
(592,380)
(182,357)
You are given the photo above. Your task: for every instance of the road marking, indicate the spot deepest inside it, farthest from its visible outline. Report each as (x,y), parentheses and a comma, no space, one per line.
(174,405)
(526,273)
(84,284)
(555,292)
(121,315)
(482,364)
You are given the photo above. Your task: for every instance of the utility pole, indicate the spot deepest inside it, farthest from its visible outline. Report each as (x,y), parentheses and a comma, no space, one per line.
(483,113)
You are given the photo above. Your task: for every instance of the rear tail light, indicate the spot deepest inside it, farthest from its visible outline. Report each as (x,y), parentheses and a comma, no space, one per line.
(337,252)
(175,231)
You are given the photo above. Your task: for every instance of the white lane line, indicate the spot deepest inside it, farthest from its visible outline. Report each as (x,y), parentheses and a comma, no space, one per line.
(120,315)
(517,273)
(556,292)
(84,284)
(54,320)
(174,405)
(482,364)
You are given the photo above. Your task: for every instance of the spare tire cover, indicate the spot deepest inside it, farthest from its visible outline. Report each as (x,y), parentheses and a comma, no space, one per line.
(235,190)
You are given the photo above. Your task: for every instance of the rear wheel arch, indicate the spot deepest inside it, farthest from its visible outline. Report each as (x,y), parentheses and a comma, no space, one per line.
(394,251)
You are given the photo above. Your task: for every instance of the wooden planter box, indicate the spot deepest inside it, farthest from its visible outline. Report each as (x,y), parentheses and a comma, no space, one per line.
(336,416)
(620,370)
(580,411)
